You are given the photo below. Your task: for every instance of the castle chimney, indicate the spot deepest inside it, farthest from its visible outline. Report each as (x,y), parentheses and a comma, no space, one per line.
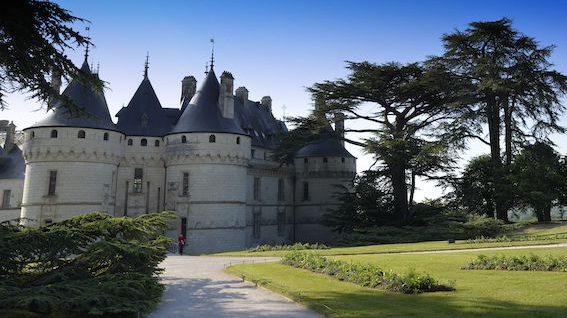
(340,126)
(188,88)
(10,137)
(56,85)
(266,101)
(226,95)
(242,94)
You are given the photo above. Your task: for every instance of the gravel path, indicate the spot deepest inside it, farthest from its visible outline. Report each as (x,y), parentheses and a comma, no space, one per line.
(198,287)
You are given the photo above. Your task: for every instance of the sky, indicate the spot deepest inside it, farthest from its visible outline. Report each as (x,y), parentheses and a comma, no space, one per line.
(279,48)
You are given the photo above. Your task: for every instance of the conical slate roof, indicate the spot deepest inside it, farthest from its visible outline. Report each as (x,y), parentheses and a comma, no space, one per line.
(203,114)
(144,115)
(90,100)
(326,145)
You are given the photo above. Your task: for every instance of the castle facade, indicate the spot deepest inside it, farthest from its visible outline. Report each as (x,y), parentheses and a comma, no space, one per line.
(208,160)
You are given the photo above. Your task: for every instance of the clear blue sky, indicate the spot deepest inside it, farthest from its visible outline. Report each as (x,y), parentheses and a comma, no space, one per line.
(279,48)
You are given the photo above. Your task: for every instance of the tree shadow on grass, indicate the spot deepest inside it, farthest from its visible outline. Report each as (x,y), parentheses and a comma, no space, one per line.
(379,304)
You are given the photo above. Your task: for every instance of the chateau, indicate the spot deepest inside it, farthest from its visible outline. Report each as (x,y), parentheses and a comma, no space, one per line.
(208,160)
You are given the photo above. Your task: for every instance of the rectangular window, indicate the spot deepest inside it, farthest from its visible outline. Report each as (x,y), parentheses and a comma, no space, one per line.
(281,190)
(52,182)
(185,183)
(257,188)
(281,223)
(6,199)
(305,191)
(257,221)
(138,175)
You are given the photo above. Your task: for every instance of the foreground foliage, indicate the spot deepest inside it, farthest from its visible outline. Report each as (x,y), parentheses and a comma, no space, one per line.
(366,275)
(92,264)
(519,263)
(288,247)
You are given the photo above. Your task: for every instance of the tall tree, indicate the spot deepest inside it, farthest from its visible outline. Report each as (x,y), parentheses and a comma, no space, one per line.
(511,87)
(33,38)
(540,178)
(400,105)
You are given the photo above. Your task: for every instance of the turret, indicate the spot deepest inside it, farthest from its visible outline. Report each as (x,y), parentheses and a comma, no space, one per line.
(10,137)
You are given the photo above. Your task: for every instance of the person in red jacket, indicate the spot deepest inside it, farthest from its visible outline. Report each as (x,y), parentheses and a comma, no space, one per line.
(181,243)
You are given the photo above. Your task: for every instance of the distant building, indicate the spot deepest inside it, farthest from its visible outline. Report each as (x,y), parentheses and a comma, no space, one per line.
(209,160)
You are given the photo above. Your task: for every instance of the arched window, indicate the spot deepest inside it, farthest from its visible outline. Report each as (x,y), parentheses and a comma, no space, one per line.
(105,136)
(81,134)
(183,139)
(130,142)
(144,142)
(32,135)
(54,133)
(238,140)
(156,143)
(212,138)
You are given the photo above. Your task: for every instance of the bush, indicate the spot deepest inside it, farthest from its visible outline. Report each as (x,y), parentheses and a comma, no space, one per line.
(518,238)
(367,275)
(519,263)
(294,247)
(93,264)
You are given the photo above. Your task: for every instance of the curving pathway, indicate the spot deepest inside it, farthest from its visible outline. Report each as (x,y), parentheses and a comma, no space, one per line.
(198,287)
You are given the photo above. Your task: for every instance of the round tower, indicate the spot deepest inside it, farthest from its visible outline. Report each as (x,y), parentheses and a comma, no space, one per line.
(71,160)
(206,156)
(322,167)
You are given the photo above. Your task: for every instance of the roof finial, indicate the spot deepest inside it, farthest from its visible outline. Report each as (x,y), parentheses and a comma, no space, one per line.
(88,37)
(146,64)
(207,68)
(97,67)
(212,54)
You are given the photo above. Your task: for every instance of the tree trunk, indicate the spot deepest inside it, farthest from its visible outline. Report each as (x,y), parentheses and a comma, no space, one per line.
(400,191)
(539,213)
(412,189)
(493,114)
(547,212)
(508,131)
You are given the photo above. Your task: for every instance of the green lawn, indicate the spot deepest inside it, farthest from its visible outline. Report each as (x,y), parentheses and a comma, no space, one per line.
(397,248)
(479,293)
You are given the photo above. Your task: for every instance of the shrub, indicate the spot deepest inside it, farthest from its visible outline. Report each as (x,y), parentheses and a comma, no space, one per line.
(519,263)
(518,238)
(293,247)
(367,275)
(93,264)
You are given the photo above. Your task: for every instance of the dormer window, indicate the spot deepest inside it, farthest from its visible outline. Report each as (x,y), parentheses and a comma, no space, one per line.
(54,133)
(81,134)
(212,138)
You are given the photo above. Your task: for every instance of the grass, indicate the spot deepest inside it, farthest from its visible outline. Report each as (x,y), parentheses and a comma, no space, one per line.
(532,230)
(479,293)
(402,247)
